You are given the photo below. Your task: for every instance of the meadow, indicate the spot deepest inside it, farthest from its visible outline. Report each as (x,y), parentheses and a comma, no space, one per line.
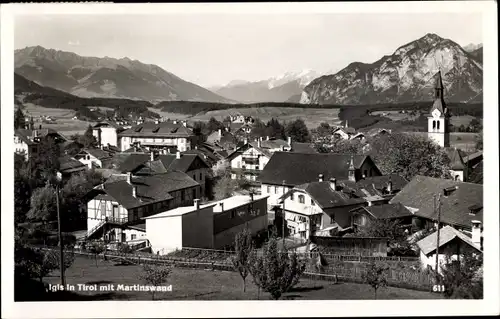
(199,284)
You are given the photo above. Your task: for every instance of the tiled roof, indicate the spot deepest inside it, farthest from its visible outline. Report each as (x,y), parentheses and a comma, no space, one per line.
(299,168)
(419,192)
(446,234)
(162,129)
(303,148)
(150,189)
(97,153)
(67,164)
(170,162)
(133,161)
(243,148)
(377,184)
(326,197)
(388,211)
(273,143)
(203,151)
(476,174)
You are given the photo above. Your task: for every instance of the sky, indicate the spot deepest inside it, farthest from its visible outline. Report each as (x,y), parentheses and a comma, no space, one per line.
(214,49)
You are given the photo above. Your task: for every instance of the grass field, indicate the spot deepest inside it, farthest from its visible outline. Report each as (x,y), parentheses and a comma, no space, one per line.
(64,119)
(312,117)
(190,284)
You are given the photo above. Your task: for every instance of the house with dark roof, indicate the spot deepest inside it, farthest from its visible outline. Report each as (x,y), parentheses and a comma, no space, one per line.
(69,166)
(94,157)
(461,202)
(223,138)
(209,155)
(119,203)
(345,132)
(106,133)
(452,243)
(173,135)
(362,216)
(26,140)
(286,170)
(325,208)
(248,160)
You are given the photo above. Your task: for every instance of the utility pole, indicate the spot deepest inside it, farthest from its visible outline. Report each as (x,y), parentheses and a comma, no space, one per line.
(283,217)
(438,231)
(61,245)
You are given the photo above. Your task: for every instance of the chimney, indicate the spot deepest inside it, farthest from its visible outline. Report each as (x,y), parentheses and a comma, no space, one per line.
(389,185)
(333,183)
(267,137)
(251,197)
(221,205)
(246,140)
(196,203)
(320,177)
(178,155)
(259,144)
(476,233)
(290,141)
(220,133)
(129,178)
(134,191)
(184,123)
(152,156)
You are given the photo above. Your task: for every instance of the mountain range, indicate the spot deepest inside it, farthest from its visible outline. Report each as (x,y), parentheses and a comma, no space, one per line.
(106,77)
(406,75)
(275,89)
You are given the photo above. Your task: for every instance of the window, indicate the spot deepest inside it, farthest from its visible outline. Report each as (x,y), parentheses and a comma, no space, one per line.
(312,202)
(438,122)
(302,199)
(269,189)
(291,196)
(201,177)
(133,236)
(332,219)
(194,177)
(433,125)
(194,193)
(275,189)
(182,196)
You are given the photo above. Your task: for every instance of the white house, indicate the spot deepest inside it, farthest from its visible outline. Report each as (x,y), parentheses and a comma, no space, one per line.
(213,225)
(93,158)
(452,243)
(248,160)
(106,133)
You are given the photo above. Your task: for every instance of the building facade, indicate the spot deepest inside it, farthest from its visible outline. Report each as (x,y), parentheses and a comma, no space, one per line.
(439,121)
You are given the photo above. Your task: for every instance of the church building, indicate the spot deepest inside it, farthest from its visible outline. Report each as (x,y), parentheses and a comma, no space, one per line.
(438,121)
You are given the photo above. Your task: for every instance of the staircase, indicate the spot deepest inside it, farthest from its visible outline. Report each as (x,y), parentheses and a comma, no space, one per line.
(96,228)
(107,220)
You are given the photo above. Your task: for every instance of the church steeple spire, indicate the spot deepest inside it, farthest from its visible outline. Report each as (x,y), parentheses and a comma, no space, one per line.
(439,103)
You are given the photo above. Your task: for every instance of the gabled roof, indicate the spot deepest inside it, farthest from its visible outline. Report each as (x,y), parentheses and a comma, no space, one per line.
(244,147)
(347,130)
(106,123)
(162,129)
(152,188)
(376,184)
(387,211)
(68,164)
(170,161)
(474,157)
(132,161)
(273,144)
(303,148)
(203,151)
(299,168)
(326,197)
(456,161)
(26,135)
(446,234)
(419,192)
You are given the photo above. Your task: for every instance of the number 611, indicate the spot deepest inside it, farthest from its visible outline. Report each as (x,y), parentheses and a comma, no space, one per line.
(438,288)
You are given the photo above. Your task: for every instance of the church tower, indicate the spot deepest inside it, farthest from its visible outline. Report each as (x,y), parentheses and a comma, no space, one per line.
(438,121)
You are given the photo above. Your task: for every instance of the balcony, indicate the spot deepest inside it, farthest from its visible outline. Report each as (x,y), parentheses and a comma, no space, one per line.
(302,209)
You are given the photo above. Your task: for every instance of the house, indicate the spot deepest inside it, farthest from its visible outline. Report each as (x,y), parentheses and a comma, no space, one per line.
(286,170)
(173,135)
(223,138)
(116,205)
(94,157)
(324,208)
(345,132)
(362,216)
(452,243)
(358,136)
(26,140)
(377,131)
(206,153)
(69,166)
(248,160)
(213,225)
(106,133)
(457,166)
(461,202)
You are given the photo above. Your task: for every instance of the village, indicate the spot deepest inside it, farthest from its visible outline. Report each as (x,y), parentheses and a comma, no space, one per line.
(160,188)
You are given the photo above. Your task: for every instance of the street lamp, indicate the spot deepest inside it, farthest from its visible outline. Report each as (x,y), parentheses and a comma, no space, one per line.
(61,245)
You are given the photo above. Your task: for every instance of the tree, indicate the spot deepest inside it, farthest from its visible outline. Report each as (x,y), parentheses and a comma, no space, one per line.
(409,155)
(276,271)
(393,230)
(22,189)
(214,125)
(19,119)
(338,146)
(460,277)
(479,142)
(243,245)
(259,129)
(225,187)
(43,204)
(45,162)
(155,275)
(88,139)
(298,131)
(275,129)
(376,276)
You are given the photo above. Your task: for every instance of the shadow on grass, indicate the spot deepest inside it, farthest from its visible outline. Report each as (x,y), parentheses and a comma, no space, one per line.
(305,289)
(291,297)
